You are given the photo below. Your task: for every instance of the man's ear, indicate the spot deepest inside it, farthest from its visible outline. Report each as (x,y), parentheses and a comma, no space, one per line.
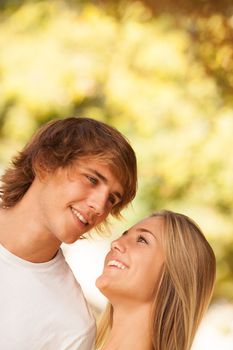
(41,171)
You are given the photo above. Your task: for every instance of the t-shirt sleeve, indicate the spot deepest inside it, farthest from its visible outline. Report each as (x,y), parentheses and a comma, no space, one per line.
(84,342)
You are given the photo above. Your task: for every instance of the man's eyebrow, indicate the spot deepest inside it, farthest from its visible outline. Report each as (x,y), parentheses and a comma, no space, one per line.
(100,176)
(141,229)
(103,178)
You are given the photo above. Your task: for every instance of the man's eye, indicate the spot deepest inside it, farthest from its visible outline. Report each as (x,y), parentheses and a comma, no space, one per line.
(112,199)
(141,239)
(92,179)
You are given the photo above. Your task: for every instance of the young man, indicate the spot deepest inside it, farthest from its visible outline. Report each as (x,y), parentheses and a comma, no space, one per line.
(71,175)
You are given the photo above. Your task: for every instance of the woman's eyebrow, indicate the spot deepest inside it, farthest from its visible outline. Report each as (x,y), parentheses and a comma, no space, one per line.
(141,229)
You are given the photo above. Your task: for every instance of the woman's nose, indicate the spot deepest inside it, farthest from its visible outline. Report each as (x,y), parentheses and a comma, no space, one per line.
(118,245)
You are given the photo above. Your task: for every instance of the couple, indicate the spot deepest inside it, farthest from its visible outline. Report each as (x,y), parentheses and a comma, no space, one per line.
(158,276)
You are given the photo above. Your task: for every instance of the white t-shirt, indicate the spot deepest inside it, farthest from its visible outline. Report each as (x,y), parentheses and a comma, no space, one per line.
(42,306)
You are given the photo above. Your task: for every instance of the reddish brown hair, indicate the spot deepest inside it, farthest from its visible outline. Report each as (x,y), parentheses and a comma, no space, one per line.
(61,142)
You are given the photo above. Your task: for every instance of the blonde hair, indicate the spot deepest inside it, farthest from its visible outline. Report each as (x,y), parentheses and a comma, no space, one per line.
(185,287)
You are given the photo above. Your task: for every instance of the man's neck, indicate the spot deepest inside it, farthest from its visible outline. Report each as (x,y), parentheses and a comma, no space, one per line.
(21,234)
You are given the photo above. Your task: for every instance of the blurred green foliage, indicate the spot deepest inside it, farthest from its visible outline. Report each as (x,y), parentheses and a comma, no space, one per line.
(162,74)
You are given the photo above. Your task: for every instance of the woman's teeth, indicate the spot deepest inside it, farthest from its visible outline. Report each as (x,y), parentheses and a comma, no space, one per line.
(117,264)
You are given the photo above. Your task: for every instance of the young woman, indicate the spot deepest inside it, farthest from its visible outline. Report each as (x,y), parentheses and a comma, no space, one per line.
(158,277)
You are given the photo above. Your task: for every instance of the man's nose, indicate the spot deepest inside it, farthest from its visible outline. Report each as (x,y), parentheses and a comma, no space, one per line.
(98,202)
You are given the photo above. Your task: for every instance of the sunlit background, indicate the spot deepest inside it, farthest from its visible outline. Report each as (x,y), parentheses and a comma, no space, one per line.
(162,73)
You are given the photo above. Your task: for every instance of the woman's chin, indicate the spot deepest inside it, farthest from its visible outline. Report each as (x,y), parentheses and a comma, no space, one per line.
(101,282)
(104,285)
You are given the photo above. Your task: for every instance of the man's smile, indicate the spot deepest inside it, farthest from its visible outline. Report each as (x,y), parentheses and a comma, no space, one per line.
(79,216)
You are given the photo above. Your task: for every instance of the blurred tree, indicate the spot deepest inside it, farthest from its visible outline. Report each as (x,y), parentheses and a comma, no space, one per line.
(208,22)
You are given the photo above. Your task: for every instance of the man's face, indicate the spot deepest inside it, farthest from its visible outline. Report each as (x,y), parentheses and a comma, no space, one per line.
(74,200)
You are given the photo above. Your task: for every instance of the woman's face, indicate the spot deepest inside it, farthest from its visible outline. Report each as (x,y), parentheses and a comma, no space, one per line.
(133,266)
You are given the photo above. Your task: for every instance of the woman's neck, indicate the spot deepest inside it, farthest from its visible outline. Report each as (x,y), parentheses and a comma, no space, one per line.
(131,329)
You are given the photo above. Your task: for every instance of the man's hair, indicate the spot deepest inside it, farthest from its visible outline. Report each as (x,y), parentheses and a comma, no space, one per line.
(60,143)
(185,287)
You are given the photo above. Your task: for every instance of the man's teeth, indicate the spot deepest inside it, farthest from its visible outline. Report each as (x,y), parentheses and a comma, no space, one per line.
(79,216)
(117,264)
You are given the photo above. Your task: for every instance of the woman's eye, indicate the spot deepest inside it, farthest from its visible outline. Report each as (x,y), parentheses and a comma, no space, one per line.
(92,179)
(141,239)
